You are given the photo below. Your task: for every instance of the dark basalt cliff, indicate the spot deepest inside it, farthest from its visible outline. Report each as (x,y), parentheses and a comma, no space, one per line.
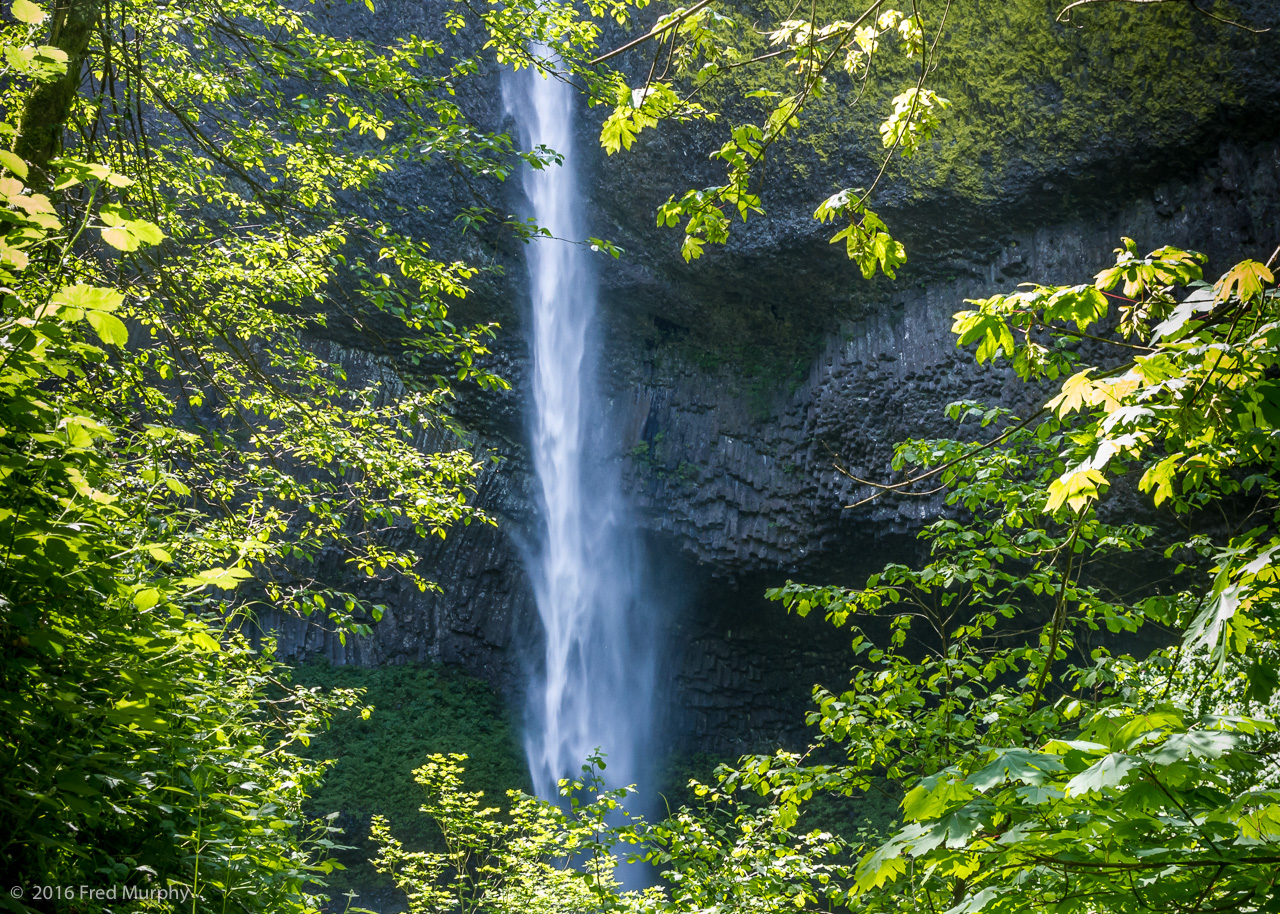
(742,473)
(737,381)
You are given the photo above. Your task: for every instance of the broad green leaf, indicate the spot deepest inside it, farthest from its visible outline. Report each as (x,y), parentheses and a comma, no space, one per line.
(1261,825)
(975,903)
(159,553)
(28,12)
(934,796)
(204,641)
(1143,725)
(119,238)
(110,329)
(224,578)
(147,232)
(145,599)
(1268,393)
(1211,628)
(13,257)
(127,234)
(13,163)
(1082,305)
(1109,771)
(89,298)
(1159,477)
(1066,746)
(1172,327)
(968,326)
(1194,744)
(1263,677)
(881,866)
(1024,765)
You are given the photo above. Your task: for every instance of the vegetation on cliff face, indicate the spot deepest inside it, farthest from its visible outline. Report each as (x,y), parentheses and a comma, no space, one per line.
(850,92)
(417,711)
(1063,772)
(1051,124)
(1055,101)
(1064,96)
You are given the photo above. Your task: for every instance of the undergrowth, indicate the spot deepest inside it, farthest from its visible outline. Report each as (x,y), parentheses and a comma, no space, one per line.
(417,710)
(875,811)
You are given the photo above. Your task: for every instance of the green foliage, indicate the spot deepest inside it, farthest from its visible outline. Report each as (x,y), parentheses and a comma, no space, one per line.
(866,241)
(144,746)
(702,46)
(140,754)
(295,460)
(640,108)
(736,854)
(175,451)
(849,817)
(1042,768)
(1026,92)
(961,96)
(416,711)
(535,857)
(1053,773)
(706,47)
(173,448)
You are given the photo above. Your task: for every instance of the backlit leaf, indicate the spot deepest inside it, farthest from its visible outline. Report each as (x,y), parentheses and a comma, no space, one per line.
(28,12)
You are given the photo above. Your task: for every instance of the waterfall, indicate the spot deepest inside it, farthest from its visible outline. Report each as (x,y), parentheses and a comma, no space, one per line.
(594,685)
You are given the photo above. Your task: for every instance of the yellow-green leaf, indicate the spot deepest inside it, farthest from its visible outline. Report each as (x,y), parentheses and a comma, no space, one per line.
(1074,489)
(28,12)
(203,641)
(13,163)
(110,329)
(145,599)
(90,298)
(118,238)
(159,554)
(1077,391)
(1246,279)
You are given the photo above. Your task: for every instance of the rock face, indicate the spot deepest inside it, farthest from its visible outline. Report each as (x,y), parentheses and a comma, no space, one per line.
(743,475)
(739,382)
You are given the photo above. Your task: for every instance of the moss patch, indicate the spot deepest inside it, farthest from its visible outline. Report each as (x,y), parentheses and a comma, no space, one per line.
(1031,96)
(418,710)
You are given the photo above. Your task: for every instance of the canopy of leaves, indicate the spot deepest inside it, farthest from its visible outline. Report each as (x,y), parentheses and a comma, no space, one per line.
(176,449)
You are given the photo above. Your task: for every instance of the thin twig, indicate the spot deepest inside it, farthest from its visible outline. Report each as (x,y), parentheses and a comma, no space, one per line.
(886,488)
(654,33)
(1065,14)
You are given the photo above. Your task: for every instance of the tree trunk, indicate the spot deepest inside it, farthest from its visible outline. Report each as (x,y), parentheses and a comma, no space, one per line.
(45,114)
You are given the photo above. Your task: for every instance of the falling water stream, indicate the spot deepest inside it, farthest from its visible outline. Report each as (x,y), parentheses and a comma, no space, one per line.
(593,687)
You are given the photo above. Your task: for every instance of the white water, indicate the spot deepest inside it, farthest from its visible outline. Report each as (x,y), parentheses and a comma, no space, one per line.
(593,687)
